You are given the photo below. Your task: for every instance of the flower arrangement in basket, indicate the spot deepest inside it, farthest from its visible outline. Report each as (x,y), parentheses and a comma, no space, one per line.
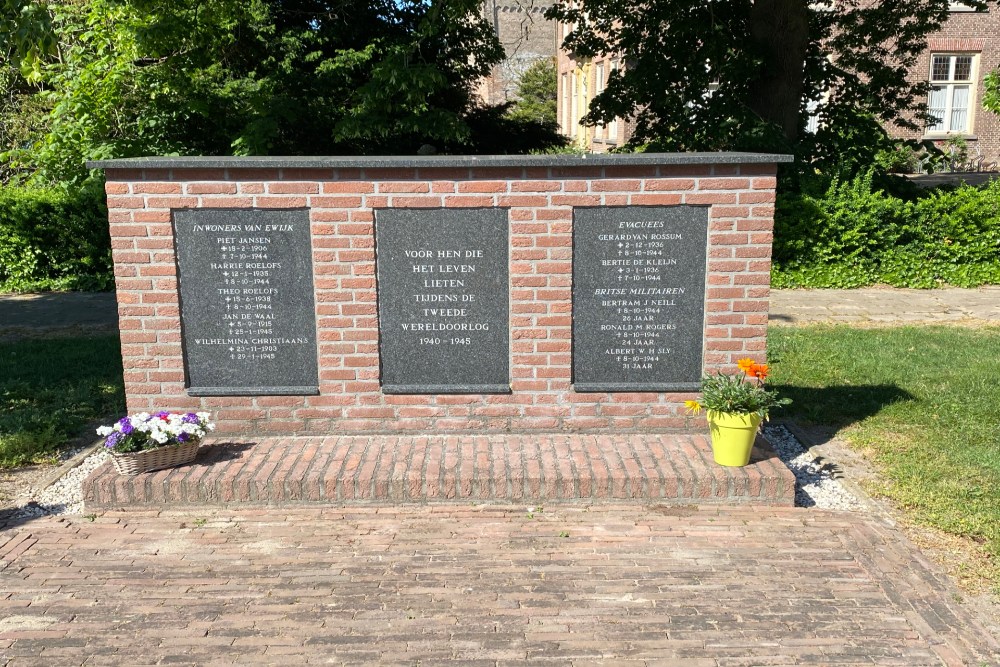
(735,406)
(146,442)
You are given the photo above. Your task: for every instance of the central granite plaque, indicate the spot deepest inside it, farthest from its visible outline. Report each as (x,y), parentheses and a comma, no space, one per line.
(639,298)
(443,300)
(246,295)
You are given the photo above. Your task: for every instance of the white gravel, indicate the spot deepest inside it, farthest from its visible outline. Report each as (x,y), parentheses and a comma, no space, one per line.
(65,495)
(815,484)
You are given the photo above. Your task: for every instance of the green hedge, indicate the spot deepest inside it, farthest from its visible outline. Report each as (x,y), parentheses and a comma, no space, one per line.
(854,235)
(54,239)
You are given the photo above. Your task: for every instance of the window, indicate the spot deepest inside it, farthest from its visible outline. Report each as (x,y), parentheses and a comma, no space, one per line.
(950,98)
(600,130)
(574,106)
(565,103)
(613,125)
(812,116)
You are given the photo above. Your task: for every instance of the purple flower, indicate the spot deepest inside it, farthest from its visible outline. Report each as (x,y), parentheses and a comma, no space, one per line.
(183,437)
(112,440)
(126,425)
(190,418)
(161,414)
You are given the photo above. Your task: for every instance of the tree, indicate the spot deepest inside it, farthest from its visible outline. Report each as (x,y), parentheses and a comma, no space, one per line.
(740,74)
(139,77)
(537,93)
(991,100)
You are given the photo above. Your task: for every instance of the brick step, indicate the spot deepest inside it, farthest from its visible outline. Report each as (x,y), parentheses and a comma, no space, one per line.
(394,469)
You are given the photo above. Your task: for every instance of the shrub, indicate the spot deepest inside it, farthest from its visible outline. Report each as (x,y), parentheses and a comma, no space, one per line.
(54,239)
(854,235)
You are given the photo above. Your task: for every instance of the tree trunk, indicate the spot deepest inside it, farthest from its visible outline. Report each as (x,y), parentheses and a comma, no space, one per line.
(779,35)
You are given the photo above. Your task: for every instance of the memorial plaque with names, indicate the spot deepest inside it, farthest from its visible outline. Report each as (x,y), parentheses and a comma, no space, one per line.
(443,300)
(247,311)
(639,298)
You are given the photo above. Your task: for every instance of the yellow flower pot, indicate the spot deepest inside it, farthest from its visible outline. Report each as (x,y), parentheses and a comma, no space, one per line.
(733,435)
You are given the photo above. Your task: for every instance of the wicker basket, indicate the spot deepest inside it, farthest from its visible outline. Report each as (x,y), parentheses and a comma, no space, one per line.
(134,463)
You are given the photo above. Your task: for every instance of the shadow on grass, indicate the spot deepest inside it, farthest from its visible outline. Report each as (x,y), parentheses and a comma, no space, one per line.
(838,406)
(51,390)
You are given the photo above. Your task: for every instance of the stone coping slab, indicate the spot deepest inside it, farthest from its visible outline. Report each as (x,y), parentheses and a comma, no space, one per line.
(435,161)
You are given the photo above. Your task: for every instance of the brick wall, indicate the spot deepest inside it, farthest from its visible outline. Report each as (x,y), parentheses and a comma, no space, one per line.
(341,203)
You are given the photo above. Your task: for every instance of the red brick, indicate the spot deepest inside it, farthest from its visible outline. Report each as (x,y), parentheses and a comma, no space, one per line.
(153,216)
(654,200)
(533,201)
(535,186)
(413,202)
(576,200)
(403,186)
(356,187)
(669,184)
(227,202)
(723,184)
(279,202)
(125,202)
(210,188)
(468,202)
(335,202)
(292,188)
(171,202)
(603,185)
(157,188)
(483,186)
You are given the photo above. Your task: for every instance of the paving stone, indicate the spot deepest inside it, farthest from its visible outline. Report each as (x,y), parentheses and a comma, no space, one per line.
(484,585)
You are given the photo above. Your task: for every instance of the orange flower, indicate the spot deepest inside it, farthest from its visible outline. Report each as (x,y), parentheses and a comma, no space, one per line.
(759,371)
(745,364)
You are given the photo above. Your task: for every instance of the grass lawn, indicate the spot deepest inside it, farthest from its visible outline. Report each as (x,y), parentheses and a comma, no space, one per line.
(50,389)
(923,403)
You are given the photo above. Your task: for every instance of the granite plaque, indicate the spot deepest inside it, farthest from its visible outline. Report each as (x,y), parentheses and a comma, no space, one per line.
(248,318)
(443,300)
(639,298)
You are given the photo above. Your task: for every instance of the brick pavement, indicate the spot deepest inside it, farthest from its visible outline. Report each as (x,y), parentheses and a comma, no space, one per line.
(485,585)
(674,467)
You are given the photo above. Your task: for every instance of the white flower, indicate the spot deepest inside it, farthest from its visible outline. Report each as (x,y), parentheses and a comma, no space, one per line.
(160,437)
(105,431)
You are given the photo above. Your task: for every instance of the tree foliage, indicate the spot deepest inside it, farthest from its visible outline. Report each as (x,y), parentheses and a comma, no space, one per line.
(991,100)
(537,93)
(118,78)
(741,74)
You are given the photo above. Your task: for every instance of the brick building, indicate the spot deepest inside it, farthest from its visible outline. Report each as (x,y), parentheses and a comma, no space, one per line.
(579,81)
(957,59)
(955,63)
(526,35)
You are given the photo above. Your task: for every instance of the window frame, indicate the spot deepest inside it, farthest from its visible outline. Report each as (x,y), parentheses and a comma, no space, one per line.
(600,131)
(949,85)
(612,127)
